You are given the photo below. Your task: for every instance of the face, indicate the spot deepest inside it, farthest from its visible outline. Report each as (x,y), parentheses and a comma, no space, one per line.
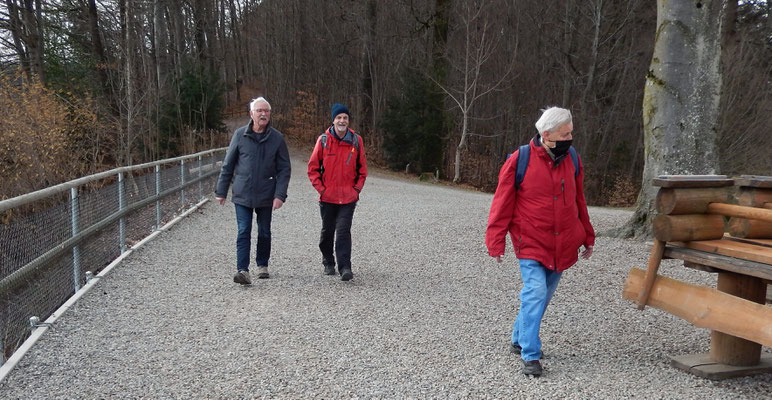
(562,132)
(261,114)
(341,123)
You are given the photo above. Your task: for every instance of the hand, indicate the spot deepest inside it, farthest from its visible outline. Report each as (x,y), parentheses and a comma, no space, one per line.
(220,200)
(587,253)
(498,259)
(277,204)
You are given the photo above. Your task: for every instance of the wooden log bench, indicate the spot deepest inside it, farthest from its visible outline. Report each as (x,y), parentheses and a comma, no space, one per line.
(691,227)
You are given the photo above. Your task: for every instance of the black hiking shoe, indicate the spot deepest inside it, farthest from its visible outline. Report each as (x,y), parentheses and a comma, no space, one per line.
(329,270)
(346,275)
(532,368)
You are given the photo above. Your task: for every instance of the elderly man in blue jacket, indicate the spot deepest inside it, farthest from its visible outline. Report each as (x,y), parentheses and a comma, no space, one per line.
(258,164)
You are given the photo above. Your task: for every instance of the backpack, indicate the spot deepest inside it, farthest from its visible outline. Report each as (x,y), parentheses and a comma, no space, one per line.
(524,155)
(355,143)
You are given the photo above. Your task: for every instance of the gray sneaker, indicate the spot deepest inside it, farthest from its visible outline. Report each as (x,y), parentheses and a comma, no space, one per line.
(532,368)
(262,272)
(242,277)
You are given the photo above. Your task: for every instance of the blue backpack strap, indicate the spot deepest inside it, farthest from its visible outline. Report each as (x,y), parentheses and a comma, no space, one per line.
(575,159)
(523,155)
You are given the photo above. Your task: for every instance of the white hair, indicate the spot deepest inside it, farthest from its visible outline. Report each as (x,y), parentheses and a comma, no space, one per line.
(260,99)
(552,118)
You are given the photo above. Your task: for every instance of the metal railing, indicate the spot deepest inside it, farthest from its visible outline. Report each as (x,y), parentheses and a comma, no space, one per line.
(58,238)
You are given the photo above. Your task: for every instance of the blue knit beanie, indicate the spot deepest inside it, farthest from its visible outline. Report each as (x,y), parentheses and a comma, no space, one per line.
(338,108)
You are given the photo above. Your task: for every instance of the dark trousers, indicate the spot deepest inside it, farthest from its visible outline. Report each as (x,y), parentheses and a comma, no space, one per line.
(336,232)
(244,237)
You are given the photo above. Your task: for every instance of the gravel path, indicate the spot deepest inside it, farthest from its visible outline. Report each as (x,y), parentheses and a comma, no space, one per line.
(428,315)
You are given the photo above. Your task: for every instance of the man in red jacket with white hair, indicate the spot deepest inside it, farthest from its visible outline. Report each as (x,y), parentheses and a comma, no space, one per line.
(337,170)
(546,217)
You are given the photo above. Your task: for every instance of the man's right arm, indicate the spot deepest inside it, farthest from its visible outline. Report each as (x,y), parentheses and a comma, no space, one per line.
(502,210)
(226,171)
(314,169)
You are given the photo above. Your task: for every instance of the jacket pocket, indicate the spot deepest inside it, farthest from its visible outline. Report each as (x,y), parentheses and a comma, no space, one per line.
(239,183)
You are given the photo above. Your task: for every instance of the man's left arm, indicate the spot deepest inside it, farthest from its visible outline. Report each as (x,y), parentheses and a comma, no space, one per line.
(584,215)
(283,173)
(361,167)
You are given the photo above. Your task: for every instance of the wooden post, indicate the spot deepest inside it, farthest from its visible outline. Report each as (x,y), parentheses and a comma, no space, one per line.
(705,307)
(679,201)
(731,210)
(651,272)
(749,228)
(732,350)
(684,228)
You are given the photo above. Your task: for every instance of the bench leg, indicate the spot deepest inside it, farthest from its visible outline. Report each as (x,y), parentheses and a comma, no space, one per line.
(731,350)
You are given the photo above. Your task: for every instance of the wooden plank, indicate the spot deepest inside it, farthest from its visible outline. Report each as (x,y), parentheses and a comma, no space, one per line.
(732,248)
(757,181)
(718,261)
(753,241)
(731,210)
(702,365)
(692,181)
(705,307)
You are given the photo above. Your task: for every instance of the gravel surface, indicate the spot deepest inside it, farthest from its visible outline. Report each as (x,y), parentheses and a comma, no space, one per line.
(428,315)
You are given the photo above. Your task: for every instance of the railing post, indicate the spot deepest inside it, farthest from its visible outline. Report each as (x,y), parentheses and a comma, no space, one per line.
(200,184)
(158,199)
(182,183)
(75,230)
(121,205)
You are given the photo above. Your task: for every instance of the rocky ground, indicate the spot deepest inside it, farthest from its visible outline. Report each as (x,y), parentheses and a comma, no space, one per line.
(428,315)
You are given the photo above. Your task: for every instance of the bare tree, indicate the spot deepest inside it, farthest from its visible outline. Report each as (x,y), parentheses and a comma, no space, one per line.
(481,40)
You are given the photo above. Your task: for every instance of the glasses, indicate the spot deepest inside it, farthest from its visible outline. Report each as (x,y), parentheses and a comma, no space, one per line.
(259,110)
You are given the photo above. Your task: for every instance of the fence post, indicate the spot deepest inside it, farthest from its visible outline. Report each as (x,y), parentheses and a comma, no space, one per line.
(121,205)
(200,185)
(182,183)
(75,230)
(158,199)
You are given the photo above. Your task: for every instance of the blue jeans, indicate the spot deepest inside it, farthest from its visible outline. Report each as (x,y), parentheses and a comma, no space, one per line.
(336,232)
(539,284)
(244,236)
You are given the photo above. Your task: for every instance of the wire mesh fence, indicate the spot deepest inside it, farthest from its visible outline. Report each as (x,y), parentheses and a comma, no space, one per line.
(50,239)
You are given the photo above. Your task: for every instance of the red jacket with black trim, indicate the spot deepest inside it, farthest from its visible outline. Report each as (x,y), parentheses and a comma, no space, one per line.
(546,217)
(337,170)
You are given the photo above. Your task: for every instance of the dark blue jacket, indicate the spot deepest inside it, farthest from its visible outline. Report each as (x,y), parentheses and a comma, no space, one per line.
(258,165)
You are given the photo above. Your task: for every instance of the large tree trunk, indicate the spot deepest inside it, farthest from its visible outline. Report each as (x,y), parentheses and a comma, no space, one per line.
(681,100)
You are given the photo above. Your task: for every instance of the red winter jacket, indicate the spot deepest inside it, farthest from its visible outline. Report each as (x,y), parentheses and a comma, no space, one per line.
(546,217)
(338,170)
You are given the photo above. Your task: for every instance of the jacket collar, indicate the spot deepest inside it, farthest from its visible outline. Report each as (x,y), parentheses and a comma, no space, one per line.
(348,137)
(542,150)
(260,137)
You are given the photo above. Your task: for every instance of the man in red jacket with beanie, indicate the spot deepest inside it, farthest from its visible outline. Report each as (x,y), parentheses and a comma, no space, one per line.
(546,217)
(337,170)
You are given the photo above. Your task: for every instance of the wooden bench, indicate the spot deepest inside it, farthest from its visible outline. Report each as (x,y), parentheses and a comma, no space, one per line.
(691,227)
